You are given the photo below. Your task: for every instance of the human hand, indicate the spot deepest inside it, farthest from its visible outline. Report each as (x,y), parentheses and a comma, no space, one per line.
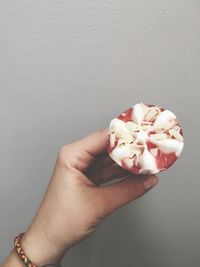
(74,203)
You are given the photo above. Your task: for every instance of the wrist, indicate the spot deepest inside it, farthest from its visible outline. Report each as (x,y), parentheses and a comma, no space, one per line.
(38,248)
(13,260)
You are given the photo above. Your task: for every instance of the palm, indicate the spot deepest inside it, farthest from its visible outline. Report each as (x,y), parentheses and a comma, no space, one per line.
(104,169)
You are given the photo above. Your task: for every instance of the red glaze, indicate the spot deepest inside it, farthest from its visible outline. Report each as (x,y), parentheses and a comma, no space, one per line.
(126,115)
(150,145)
(136,168)
(163,160)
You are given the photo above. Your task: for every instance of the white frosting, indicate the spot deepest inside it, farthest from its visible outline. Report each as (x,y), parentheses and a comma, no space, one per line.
(148,163)
(118,124)
(138,113)
(170,146)
(121,152)
(146,158)
(142,136)
(164,117)
(128,162)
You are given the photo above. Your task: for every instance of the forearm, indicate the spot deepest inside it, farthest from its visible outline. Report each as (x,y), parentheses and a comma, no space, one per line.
(39,242)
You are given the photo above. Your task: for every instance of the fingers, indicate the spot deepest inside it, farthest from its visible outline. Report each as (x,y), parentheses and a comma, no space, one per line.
(112,172)
(109,169)
(82,152)
(95,143)
(121,193)
(103,173)
(105,159)
(104,169)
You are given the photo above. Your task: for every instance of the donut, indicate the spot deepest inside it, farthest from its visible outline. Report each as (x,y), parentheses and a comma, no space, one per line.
(145,139)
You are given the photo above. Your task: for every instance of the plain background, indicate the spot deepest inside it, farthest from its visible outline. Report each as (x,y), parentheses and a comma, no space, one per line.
(66,69)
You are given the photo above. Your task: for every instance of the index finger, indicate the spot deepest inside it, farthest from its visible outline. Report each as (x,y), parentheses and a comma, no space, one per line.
(84,151)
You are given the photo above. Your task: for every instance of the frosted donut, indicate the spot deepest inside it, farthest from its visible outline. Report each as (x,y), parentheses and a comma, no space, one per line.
(145,139)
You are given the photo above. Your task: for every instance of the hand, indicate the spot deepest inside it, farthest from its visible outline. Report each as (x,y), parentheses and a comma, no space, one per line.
(74,203)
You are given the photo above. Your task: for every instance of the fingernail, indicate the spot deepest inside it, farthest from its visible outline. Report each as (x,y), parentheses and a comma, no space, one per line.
(150,182)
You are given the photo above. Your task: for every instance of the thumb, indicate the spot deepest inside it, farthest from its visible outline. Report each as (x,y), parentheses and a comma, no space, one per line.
(125,191)
(81,153)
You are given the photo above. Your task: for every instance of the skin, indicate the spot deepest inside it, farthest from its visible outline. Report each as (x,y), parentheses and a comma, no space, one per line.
(76,202)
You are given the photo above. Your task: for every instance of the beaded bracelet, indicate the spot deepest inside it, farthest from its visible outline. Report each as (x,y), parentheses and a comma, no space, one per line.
(22,255)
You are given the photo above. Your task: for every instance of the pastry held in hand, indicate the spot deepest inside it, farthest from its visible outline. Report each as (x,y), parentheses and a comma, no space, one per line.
(145,139)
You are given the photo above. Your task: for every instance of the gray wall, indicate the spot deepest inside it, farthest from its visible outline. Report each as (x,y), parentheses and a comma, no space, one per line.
(66,69)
